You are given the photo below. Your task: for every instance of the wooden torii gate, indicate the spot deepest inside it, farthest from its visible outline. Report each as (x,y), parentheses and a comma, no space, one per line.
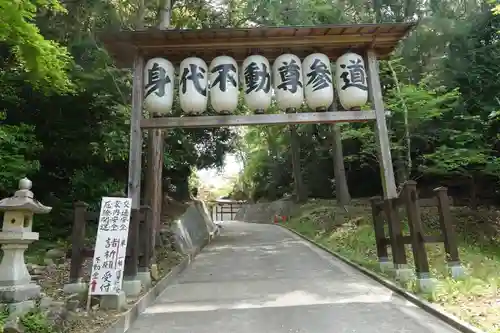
(373,41)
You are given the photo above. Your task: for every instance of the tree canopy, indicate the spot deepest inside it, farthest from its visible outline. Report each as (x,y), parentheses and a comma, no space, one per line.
(65,106)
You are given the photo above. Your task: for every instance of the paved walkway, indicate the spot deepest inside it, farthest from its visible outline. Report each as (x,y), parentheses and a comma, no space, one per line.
(258,278)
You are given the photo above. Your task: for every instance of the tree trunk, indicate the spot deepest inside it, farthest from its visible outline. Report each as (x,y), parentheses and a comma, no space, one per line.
(341,188)
(141,13)
(300,192)
(401,175)
(406,169)
(272,193)
(165,14)
(473,193)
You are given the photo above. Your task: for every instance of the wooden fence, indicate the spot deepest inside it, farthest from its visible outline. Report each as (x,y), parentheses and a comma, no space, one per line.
(387,211)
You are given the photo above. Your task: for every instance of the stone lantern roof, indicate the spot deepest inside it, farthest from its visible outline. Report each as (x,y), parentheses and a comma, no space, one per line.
(24,200)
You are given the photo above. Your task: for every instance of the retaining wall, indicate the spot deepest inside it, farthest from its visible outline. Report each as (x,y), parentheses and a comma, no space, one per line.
(194,228)
(264,212)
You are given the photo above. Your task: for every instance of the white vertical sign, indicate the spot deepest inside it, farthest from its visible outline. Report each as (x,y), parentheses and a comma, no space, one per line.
(110,246)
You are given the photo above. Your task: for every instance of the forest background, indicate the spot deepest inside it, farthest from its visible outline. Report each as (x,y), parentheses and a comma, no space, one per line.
(65,107)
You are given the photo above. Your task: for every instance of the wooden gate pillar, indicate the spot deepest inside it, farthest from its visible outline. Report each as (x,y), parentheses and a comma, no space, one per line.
(381,132)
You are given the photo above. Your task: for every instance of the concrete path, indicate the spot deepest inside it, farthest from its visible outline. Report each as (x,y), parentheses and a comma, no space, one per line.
(258,278)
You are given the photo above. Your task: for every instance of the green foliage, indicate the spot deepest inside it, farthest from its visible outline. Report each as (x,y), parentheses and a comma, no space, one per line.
(36,322)
(44,60)
(441,91)
(4,314)
(66,108)
(17,142)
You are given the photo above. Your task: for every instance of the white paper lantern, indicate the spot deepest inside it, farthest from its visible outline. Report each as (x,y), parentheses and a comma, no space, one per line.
(288,83)
(318,84)
(352,86)
(256,79)
(224,84)
(158,86)
(193,82)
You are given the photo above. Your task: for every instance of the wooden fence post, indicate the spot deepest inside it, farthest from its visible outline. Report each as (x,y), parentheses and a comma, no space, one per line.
(395,234)
(77,242)
(450,239)
(380,239)
(410,196)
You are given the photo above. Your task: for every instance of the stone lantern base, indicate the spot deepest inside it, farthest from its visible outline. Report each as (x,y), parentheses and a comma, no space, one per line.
(22,293)
(20,299)
(16,289)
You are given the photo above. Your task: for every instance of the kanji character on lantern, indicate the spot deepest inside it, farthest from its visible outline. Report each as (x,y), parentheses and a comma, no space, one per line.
(158,86)
(224,84)
(352,85)
(287,79)
(318,89)
(256,78)
(193,84)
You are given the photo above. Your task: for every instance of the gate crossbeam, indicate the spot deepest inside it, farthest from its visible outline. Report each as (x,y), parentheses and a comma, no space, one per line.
(258,119)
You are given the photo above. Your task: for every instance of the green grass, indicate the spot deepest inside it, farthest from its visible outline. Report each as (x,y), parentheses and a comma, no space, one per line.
(3,316)
(475,298)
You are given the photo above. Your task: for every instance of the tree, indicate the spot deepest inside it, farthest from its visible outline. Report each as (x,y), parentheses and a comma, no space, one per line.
(45,62)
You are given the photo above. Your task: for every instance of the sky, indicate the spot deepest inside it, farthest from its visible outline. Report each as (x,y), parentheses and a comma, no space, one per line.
(211,177)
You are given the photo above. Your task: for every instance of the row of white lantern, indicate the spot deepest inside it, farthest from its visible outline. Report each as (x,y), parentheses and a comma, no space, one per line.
(291,81)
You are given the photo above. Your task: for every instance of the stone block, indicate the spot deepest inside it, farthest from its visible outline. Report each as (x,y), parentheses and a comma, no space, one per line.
(457,271)
(145,278)
(20,293)
(114,302)
(72,304)
(155,273)
(20,308)
(402,273)
(385,265)
(132,288)
(55,254)
(426,284)
(75,288)
(46,303)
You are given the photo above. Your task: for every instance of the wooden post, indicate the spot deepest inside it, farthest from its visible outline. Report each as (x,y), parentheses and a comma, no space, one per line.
(135,152)
(381,132)
(450,239)
(395,233)
(410,196)
(77,241)
(378,225)
(132,256)
(154,180)
(145,239)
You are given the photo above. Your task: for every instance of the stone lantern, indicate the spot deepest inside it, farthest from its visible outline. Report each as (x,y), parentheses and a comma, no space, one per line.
(16,287)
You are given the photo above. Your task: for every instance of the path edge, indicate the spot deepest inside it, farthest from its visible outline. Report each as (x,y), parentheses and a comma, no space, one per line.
(127,318)
(450,319)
